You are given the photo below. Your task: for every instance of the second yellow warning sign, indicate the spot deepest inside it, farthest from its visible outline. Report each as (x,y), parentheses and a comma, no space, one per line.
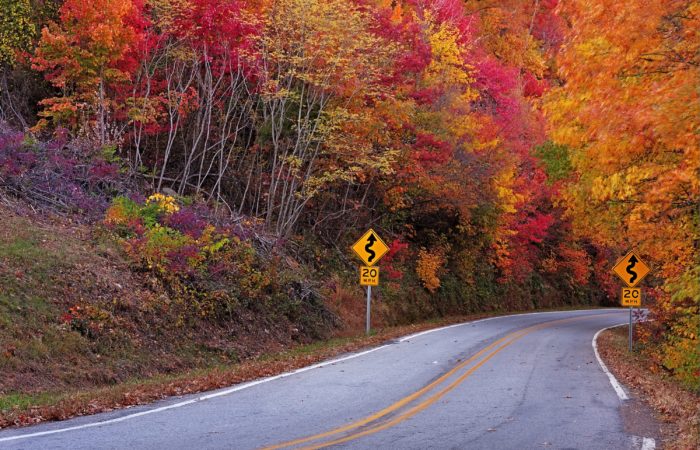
(631,269)
(631,297)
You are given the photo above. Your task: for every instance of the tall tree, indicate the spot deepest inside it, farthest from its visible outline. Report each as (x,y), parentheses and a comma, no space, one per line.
(88,55)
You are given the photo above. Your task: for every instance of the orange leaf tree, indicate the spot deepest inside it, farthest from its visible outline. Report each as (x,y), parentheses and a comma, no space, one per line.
(629,113)
(88,56)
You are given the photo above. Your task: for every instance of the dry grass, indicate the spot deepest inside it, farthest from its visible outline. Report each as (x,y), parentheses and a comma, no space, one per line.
(131,325)
(679,408)
(350,306)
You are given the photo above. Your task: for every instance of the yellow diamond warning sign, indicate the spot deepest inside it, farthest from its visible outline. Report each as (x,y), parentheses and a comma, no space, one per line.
(631,297)
(369,276)
(370,248)
(631,269)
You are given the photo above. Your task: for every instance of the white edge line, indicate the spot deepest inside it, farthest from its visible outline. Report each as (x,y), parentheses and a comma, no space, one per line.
(243,386)
(95,424)
(615,384)
(644,443)
(648,444)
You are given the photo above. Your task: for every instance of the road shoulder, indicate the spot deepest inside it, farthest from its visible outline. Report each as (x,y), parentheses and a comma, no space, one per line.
(658,407)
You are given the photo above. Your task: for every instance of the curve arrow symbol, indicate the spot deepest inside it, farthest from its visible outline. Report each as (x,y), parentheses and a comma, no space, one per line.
(632,262)
(368,248)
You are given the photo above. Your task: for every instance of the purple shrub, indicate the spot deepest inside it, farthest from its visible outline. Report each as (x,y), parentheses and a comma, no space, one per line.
(61,175)
(103,171)
(10,139)
(187,222)
(180,260)
(137,197)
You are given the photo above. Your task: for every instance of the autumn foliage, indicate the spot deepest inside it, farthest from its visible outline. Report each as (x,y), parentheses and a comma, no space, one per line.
(510,149)
(628,115)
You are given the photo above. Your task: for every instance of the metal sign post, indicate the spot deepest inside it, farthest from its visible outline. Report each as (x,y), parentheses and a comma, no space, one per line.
(630,330)
(369,309)
(369,276)
(631,297)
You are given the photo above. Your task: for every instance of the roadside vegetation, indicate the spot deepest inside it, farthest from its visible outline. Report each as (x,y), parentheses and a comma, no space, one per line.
(180,180)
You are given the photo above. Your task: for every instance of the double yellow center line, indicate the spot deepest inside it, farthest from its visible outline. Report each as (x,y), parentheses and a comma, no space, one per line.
(377,425)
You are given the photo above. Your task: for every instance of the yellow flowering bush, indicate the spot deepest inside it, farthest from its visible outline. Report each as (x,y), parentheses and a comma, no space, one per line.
(165,202)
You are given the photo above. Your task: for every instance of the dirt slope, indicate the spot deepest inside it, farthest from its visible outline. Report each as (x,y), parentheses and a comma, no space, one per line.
(73,314)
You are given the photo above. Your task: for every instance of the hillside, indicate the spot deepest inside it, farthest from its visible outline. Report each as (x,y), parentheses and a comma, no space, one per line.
(74,314)
(78,313)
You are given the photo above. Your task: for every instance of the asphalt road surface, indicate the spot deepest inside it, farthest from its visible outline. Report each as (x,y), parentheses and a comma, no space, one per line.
(516,382)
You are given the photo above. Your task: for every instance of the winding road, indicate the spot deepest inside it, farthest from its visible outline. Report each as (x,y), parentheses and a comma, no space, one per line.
(514,382)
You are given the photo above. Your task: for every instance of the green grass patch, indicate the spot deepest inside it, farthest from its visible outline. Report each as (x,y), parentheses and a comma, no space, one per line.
(23,401)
